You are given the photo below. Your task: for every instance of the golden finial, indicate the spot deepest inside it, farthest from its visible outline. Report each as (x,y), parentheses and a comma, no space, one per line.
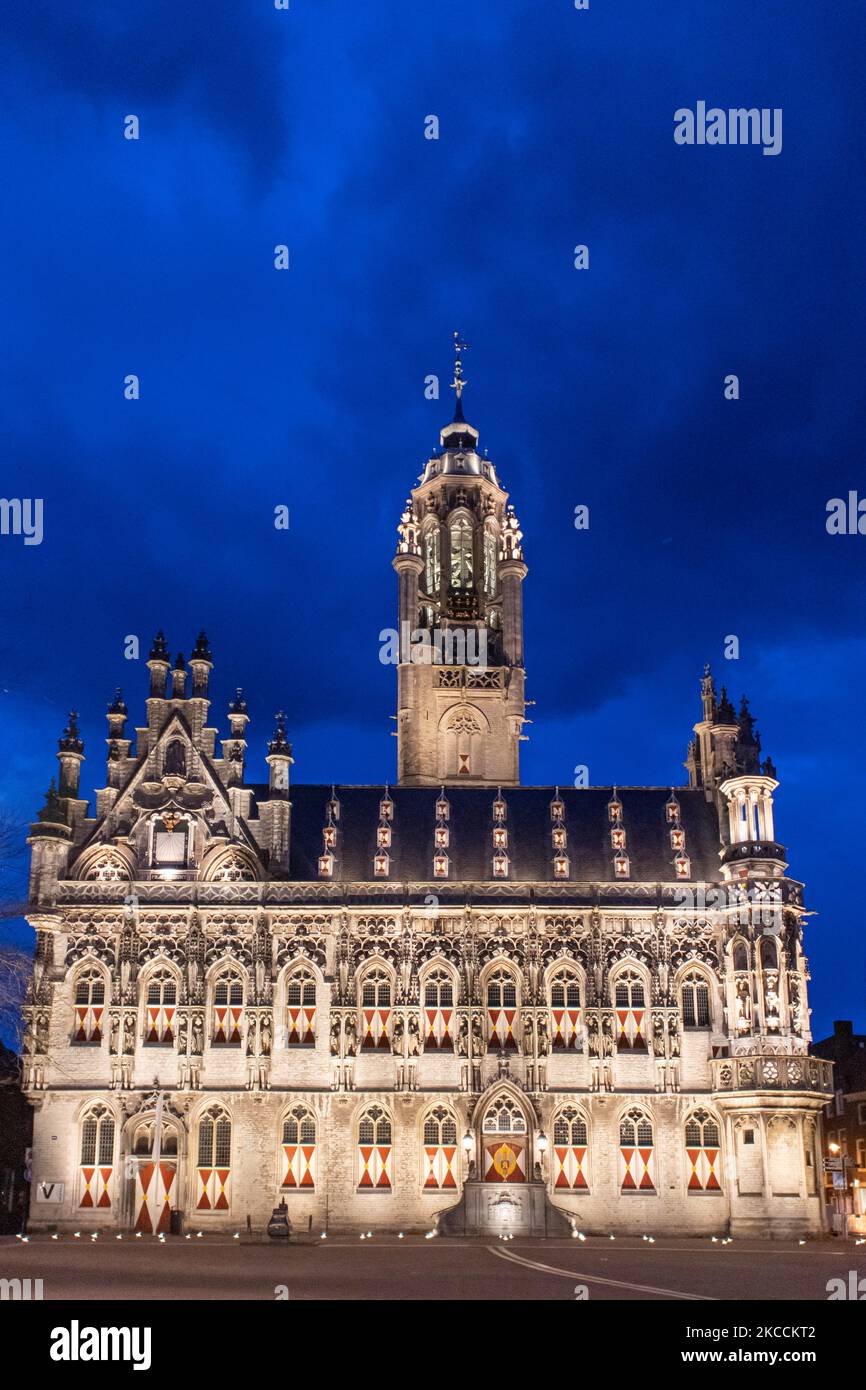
(459,348)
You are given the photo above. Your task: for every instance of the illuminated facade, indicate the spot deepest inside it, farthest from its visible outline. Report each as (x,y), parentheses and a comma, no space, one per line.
(454,1001)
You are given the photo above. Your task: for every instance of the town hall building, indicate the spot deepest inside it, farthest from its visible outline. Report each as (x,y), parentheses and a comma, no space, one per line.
(451,1003)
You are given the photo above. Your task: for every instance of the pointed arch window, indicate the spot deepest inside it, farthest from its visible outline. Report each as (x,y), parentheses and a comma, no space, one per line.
(490,563)
(96,1169)
(439,1151)
(432,562)
(160,1008)
(228,1009)
(565,1010)
(174,762)
(439,1009)
(299,1150)
(502,1003)
(570,1151)
(376,1010)
(89,1005)
(462,563)
(636,1153)
(696,1001)
(214,1166)
(630,1006)
(374,1151)
(301,1009)
(504,1142)
(703,1152)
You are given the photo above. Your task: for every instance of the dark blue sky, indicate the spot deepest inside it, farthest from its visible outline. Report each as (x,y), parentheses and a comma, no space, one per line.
(602,387)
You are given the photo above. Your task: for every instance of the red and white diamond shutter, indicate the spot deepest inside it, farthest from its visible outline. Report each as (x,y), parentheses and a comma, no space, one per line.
(501,1012)
(301,1010)
(438,1010)
(504,1142)
(374,1151)
(636,1153)
(155,1197)
(570,1151)
(228,1010)
(96,1171)
(213,1173)
(299,1149)
(439,1150)
(89,1006)
(376,1010)
(703,1153)
(160,1008)
(629,1005)
(565,1014)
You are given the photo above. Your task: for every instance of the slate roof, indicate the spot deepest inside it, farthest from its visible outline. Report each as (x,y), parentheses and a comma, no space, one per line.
(529,825)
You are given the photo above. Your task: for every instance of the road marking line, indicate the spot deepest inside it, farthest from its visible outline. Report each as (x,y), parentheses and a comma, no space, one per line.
(596,1278)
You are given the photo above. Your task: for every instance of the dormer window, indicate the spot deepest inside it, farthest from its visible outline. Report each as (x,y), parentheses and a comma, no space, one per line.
(500,810)
(617,838)
(500,837)
(441,837)
(386,808)
(440,865)
(443,808)
(621,865)
(614,810)
(326,866)
(329,836)
(383,837)
(560,866)
(682,866)
(558,837)
(333,807)
(557,808)
(500,865)
(672,810)
(678,839)
(381,864)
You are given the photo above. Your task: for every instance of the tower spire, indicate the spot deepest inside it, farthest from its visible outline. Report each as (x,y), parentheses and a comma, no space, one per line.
(459,381)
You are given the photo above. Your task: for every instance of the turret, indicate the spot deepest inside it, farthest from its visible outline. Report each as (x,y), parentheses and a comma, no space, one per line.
(279,758)
(234,748)
(71,755)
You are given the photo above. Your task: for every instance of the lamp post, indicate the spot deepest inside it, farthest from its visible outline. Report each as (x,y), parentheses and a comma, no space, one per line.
(541,1145)
(468,1147)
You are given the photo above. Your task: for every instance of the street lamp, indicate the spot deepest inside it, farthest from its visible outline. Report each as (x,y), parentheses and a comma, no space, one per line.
(541,1142)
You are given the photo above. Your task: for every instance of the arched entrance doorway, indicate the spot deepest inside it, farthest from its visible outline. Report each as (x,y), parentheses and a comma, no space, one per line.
(155,1176)
(504,1142)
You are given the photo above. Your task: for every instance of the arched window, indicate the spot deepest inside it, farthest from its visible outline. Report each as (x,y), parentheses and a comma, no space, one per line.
(439,1151)
(463,745)
(233,868)
(438,1009)
(374,1151)
(501,1011)
(160,1007)
(636,1153)
(299,1149)
(741,956)
(376,1009)
(301,1008)
(703,1152)
(96,1169)
(89,1005)
(213,1170)
(462,565)
(570,1148)
(108,868)
(504,1142)
(490,565)
(696,1001)
(228,1008)
(432,562)
(565,1013)
(630,1004)
(770,971)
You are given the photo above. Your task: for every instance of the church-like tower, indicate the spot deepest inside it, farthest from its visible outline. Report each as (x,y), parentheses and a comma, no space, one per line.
(461,704)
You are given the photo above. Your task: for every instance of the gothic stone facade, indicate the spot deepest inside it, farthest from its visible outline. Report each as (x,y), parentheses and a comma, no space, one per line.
(379,1003)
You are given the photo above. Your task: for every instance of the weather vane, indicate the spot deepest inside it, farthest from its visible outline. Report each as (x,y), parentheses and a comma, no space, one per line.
(459,348)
